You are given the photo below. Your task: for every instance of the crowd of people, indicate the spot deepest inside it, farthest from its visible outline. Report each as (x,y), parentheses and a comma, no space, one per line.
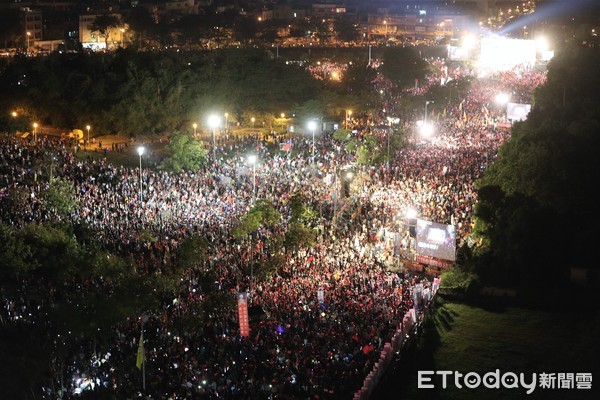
(303,346)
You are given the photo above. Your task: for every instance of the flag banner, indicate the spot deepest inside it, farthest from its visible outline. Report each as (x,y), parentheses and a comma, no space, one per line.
(243,314)
(285,146)
(140,353)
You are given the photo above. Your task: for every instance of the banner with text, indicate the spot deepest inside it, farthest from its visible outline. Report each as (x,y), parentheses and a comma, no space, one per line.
(243,314)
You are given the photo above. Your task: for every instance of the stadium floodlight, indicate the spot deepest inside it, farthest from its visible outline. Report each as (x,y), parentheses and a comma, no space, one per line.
(542,43)
(469,41)
(426,130)
(502,98)
(214,121)
(410,213)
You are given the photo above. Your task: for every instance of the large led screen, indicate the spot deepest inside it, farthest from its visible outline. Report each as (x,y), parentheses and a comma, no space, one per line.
(517,112)
(436,240)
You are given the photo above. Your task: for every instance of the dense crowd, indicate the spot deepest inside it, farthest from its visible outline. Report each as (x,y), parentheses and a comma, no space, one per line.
(301,347)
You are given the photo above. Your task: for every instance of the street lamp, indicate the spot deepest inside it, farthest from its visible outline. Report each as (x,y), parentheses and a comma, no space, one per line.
(252,160)
(388,140)
(282,121)
(213,122)
(35,125)
(348,115)
(226,123)
(426,104)
(88,130)
(502,98)
(195,125)
(312,125)
(122,36)
(28,35)
(140,151)
(426,130)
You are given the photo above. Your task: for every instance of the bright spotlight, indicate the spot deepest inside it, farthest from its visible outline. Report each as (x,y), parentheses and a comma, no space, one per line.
(252,158)
(542,43)
(214,121)
(141,150)
(502,98)
(312,125)
(410,213)
(426,130)
(469,41)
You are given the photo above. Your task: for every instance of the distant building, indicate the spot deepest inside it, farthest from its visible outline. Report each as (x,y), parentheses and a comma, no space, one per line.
(33,27)
(418,23)
(94,40)
(181,7)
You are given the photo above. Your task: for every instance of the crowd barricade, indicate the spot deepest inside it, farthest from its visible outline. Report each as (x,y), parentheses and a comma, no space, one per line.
(395,345)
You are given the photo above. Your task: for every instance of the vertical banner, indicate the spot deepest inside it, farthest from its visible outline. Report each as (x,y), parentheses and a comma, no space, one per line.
(243,314)
(436,285)
(321,296)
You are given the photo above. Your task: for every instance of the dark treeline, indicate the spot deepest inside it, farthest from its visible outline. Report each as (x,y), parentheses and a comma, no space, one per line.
(536,209)
(143,93)
(133,93)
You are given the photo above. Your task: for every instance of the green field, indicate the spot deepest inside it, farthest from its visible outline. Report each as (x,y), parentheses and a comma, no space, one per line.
(466,338)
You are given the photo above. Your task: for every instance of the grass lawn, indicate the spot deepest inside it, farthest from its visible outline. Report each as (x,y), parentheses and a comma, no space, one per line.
(466,338)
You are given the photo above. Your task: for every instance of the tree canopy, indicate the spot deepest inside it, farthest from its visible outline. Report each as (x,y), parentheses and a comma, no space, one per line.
(144,93)
(184,153)
(535,201)
(402,65)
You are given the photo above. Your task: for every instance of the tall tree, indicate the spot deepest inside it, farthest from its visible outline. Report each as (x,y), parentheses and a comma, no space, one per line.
(402,65)
(185,153)
(104,24)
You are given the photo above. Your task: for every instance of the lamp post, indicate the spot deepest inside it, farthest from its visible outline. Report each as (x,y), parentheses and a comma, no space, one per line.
(252,120)
(252,160)
(195,125)
(141,346)
(388,140)
(226,122)
(28,36)
(122,36)
(348,115)
(140,151)
(312,125)
(213,122)
(35,125)
(426,104)
(88,131)
(282,122)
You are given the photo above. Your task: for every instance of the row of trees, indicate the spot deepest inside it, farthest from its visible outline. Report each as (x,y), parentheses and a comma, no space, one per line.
(144,93)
